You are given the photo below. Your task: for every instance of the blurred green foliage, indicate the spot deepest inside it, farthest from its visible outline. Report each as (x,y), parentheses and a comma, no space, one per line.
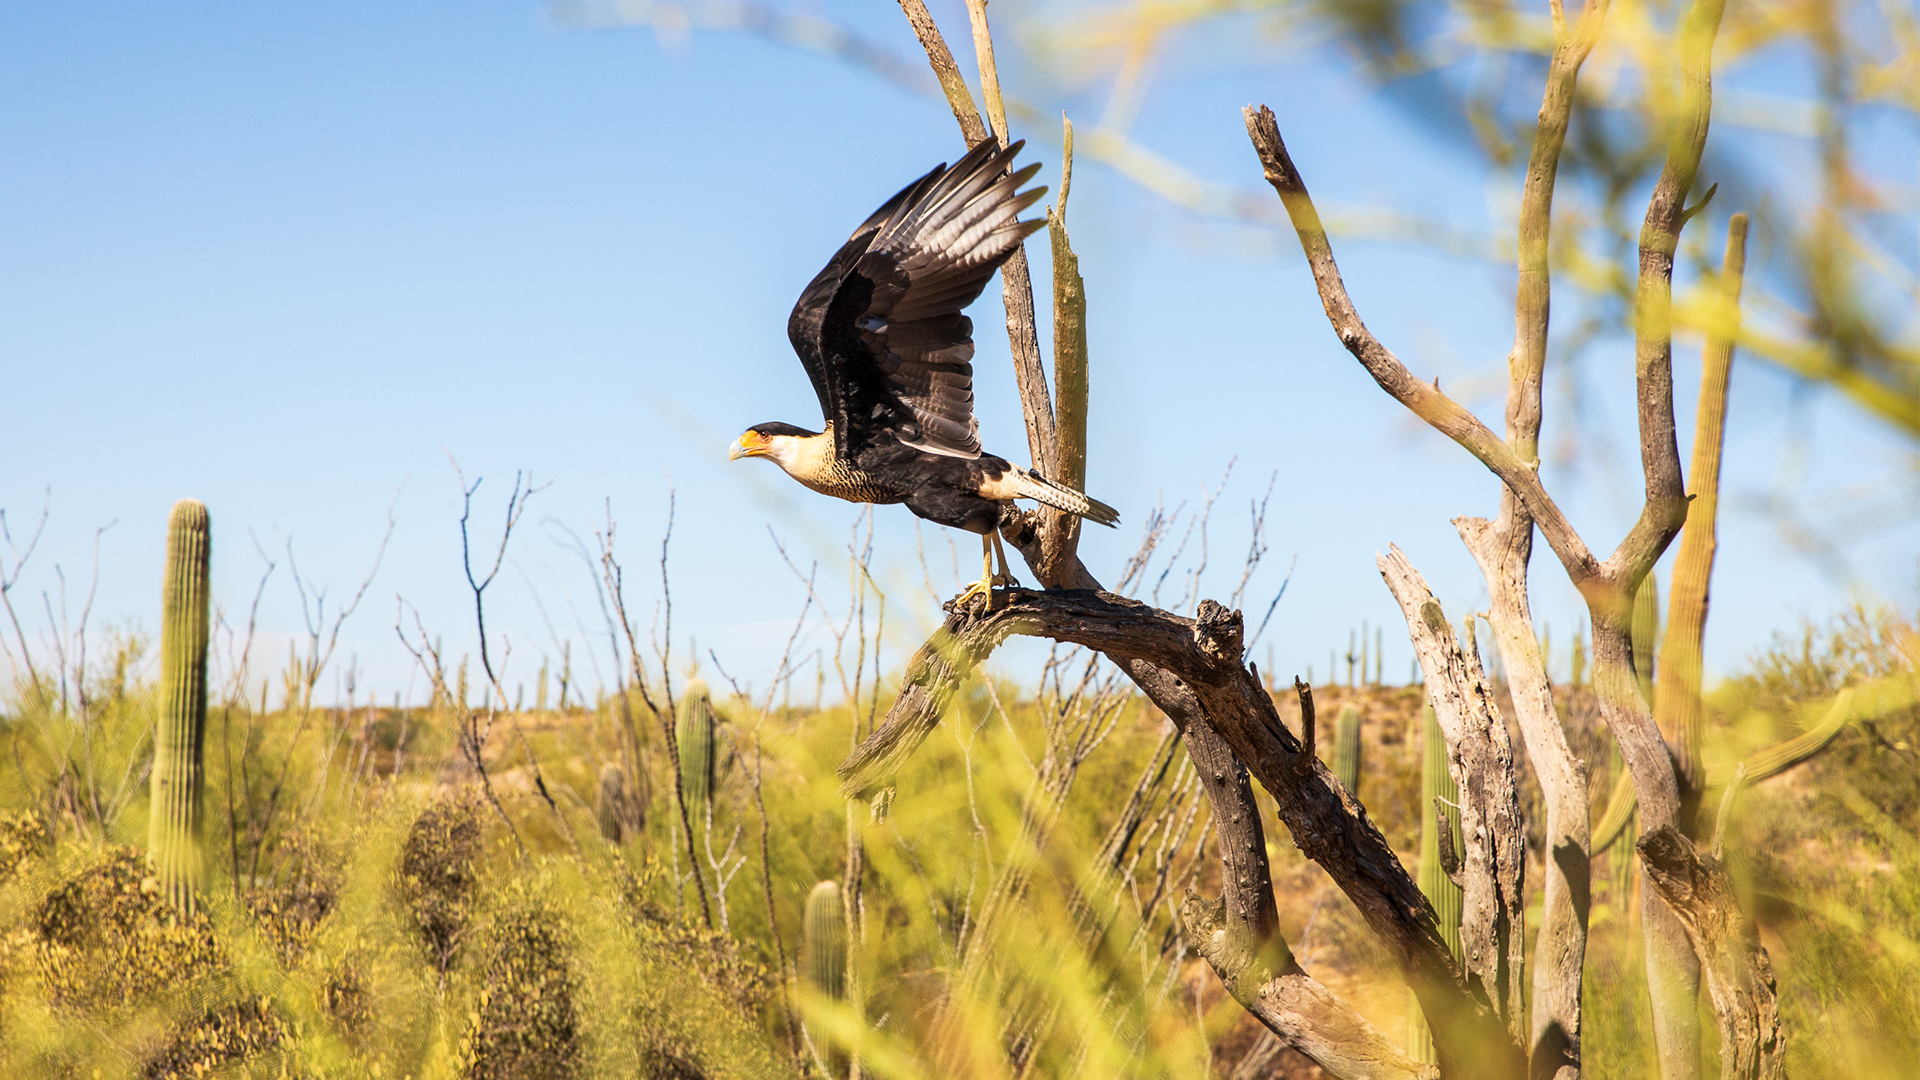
(405,922)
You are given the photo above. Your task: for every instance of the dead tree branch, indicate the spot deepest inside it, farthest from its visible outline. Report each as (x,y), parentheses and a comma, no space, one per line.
(1239,935)
(1480,757)
(1738,974)
(1195,665)
(613,581)
(1297,1007)
(1607,587)
(11,577)
(1444,414)
(1504,549)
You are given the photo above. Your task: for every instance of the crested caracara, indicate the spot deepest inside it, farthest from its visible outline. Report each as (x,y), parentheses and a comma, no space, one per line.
(881,334)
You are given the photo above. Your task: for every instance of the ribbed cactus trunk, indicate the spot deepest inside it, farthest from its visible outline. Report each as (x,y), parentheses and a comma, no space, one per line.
(173,833)
(1436,782)
(693,731)
(823,961)
(1680,713)
(1646,633)
(823,945)
(613,803)
(1346,748)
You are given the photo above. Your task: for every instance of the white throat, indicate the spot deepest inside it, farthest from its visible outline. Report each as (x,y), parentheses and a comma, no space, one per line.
(803,457)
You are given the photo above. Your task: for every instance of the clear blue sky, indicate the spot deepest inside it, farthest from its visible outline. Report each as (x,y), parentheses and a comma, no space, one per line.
(294,260)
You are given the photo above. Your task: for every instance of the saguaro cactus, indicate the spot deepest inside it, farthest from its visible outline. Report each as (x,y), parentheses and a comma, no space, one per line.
(614,804)
(1646,633)
(823,945)
(173,833)
(693,730)
(1436,782)
(1346,748)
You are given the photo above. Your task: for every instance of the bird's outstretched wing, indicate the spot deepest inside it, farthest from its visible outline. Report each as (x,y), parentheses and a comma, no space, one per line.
(880,330)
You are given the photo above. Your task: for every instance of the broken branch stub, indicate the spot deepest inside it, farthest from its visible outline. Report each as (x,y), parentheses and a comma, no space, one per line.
(1737,971)
(1480,757)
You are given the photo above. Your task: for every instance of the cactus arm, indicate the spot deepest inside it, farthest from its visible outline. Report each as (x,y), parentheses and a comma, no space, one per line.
(1439,801)
(1677,704)
(1346,748)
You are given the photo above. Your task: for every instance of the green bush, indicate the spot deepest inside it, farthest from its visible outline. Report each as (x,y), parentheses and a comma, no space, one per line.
(438,877)
(525,1023)
(107,936)
(219,1037)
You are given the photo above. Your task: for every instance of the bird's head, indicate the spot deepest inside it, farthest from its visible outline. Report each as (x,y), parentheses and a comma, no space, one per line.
(771,440)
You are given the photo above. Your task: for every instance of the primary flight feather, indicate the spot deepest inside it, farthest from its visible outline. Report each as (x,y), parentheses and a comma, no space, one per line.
(881,334)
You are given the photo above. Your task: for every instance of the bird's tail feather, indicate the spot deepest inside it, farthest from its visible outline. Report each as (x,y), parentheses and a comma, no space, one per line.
(1061,497)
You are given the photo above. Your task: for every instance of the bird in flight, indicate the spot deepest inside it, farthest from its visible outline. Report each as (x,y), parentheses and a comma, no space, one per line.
(881,334)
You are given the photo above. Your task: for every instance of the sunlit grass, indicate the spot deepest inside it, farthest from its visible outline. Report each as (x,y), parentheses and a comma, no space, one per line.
(382,915)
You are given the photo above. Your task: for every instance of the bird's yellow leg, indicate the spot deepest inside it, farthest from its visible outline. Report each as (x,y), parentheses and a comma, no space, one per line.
(1005,577)
(983,587)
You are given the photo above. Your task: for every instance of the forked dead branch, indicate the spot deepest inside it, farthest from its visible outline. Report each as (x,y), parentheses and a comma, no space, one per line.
(1195,672)
(1675,953)
(1194,669)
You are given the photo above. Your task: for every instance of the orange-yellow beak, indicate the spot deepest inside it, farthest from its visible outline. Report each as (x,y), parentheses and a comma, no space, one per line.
(749,444)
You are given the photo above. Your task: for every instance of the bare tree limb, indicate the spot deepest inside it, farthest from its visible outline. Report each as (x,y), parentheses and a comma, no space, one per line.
(613,579)
(1297,1007)
(1015,281)
(1239,935)
(1480,757)
(1445,415)
(10,578)
(1203,658)
(1566,893)
(952,83)
(1606,587)
(1504,549)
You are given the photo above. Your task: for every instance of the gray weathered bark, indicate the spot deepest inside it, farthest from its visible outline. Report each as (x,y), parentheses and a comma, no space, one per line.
(1559,959)
(1480,757)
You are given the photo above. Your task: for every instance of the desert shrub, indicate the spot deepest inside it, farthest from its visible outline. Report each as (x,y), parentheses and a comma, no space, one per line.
(23,836)
(1791,682)
(437,879)
(525,1023)
(1826,854)
(722,962)
(289,912)
(347,997)
(218,1037)
(107,936)
(670,998)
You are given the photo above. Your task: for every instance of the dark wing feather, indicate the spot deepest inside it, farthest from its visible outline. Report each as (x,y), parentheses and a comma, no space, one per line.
(810,313)
(881,329)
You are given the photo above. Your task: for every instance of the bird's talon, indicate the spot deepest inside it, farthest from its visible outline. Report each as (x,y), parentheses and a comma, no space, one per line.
(983,587)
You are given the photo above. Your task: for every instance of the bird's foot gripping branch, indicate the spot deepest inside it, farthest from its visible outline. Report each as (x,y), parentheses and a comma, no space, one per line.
(1194,670)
